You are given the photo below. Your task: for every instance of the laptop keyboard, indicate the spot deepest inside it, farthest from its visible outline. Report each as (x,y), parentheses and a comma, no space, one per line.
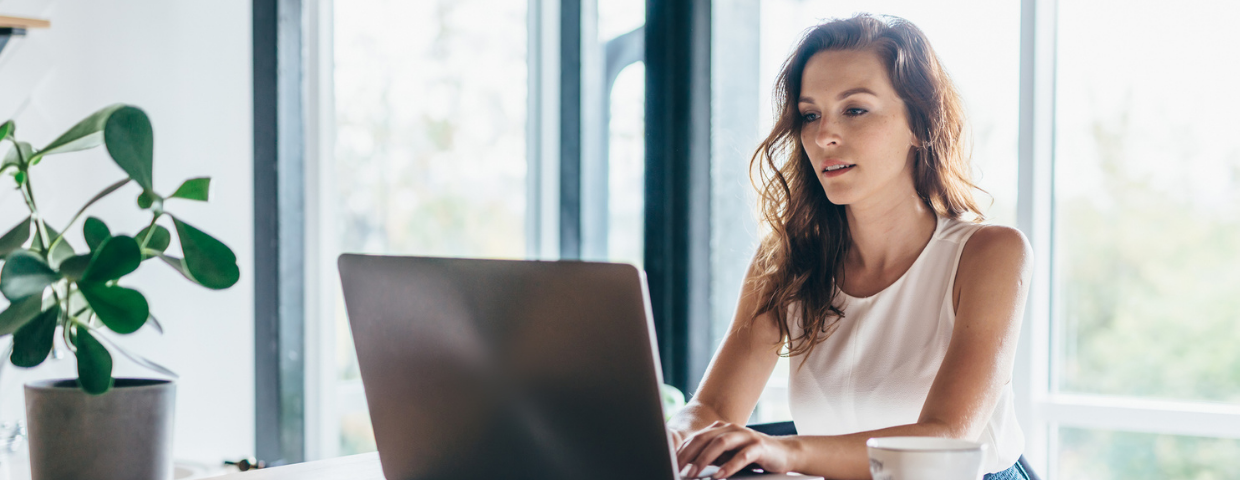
(705,473)
(749,471)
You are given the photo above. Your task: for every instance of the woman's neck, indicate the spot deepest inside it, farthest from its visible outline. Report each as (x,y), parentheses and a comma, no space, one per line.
(888,232)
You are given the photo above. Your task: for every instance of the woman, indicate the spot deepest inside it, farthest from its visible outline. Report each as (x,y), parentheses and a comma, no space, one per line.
(901,317)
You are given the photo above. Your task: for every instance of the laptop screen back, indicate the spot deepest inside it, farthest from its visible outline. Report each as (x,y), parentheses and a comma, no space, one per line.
(507,369)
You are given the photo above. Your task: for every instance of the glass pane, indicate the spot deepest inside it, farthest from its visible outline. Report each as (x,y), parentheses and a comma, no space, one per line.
(1147,200)
(1104,455)
(627,167)
(625,143)
(356,433)
(430,118)
(430,101)
(985,72)
(618,17)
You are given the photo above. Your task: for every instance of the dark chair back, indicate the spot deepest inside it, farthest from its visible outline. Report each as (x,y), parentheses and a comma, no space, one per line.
(780,429)
(777,429)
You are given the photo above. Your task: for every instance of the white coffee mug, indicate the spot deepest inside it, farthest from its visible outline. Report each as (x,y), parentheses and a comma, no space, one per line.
(925,458)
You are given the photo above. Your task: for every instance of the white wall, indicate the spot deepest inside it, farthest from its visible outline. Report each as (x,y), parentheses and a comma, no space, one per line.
(188,64)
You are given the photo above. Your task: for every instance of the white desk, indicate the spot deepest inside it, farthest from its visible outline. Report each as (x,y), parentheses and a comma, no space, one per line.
(354,467)
(15,465)
(361,467)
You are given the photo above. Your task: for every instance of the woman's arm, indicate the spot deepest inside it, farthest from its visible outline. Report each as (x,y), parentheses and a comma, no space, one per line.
(991,285)
(736,375)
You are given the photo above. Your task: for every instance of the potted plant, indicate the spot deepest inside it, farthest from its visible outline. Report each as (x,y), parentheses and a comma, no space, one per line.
(95,426)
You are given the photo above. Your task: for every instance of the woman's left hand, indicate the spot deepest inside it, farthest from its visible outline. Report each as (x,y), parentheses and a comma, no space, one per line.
(735,447)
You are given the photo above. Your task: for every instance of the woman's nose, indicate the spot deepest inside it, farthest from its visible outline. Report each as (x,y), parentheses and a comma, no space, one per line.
(826,136)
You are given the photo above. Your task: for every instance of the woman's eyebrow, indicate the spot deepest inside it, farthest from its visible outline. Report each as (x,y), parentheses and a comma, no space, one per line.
(842,95)
(854,91)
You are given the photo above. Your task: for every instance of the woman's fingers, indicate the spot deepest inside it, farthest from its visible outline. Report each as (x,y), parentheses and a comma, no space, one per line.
(676,438)
(693,444)
(747,455)
(718,446)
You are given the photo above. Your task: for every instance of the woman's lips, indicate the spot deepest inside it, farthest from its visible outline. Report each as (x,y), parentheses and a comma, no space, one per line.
(836,170)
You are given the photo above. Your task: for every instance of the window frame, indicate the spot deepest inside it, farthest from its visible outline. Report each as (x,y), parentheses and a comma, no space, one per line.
(279,231)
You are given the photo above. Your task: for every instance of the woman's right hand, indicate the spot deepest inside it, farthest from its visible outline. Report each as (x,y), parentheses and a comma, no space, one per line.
(677,437)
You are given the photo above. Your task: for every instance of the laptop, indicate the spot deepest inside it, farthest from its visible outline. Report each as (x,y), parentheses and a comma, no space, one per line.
(483,369)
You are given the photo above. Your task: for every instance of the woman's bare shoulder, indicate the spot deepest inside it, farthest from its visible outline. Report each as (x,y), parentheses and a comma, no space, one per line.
(995,255)
(996,243)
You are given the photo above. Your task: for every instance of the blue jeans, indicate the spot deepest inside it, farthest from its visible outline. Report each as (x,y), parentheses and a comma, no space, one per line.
(1013,473)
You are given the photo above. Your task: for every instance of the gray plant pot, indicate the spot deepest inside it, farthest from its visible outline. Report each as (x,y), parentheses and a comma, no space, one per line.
(125,434)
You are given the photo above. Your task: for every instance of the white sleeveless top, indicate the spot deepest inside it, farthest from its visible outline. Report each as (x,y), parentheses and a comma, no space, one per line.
(875,370)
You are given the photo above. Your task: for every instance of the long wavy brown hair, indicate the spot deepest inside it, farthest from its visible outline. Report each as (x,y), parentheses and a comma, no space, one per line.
(800,262)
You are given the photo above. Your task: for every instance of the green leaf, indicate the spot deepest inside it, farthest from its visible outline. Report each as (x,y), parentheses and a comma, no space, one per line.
(24,274)
(209,262)
(6,130)
(88,133)
(96,232)
(131,143)
(74,267)
(11,158)
(194,189)
(178,264)
(15,237)
(160,239)
(147,199)
(117,257)
(33,341)
(94,363)
(19,313)
(123,310)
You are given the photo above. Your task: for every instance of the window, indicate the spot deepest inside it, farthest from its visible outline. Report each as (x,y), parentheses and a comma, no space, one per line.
(626,166)
(1101,454)
(432,116)
(1146,231)
(621,21)
(1102,136)
(430,156)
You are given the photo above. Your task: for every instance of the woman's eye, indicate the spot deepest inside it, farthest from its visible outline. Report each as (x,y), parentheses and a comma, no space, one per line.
(809,117)
(855,112)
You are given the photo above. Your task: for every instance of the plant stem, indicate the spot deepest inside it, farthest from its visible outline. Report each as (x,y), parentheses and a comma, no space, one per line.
(65,333)
(40,228)
(150,230)
(29,204)
(25,169)
(68,299)
(65,313)
(111,188)
(28,189)
(47,243)
(66,320)
(34,212)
